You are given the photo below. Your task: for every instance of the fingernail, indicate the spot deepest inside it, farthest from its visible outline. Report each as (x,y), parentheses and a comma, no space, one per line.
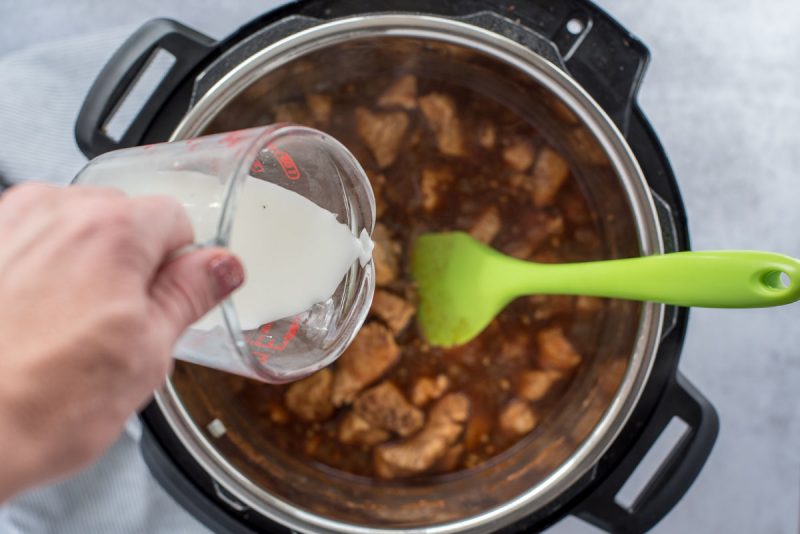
(227,273)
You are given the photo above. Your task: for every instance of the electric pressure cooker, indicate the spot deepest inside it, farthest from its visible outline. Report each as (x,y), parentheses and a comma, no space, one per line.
(552,58)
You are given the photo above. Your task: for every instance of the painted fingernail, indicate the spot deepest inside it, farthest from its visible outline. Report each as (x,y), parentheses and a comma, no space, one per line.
(227,273)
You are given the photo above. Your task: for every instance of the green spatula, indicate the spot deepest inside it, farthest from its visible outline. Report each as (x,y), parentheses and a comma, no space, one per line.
(463,284)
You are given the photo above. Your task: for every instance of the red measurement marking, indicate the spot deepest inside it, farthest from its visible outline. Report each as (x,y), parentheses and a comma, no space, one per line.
(232,139)
(258,339)
(261,341)
(293,328)
(257,167)
(148,147)
(288,165)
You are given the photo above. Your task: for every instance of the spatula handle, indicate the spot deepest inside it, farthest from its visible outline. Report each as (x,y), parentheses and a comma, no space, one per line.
(721,279)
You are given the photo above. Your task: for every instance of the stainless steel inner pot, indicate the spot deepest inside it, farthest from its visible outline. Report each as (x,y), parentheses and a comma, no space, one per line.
(539,468)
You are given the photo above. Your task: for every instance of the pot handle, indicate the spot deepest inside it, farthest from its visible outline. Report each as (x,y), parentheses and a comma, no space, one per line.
(112,85)
(672,478)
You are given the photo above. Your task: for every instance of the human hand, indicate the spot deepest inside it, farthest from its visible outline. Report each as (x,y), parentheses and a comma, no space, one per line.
(90,308)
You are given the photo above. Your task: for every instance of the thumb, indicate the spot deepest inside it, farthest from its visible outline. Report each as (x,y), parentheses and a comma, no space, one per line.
(188,287)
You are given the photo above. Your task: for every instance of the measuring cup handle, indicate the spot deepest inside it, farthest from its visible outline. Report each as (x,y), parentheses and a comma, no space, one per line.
(114,82)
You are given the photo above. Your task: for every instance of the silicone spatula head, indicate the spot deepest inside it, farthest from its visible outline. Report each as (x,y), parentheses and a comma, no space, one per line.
(455,284)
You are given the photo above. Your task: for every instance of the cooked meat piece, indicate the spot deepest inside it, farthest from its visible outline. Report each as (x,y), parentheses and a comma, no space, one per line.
(392,310)
(402,93)
(520,155)
(555,350)
(383,133)
(293,112)
(587,147)
(278,414)
(354,430)
(517,418)
(520,249)
(487,136)
(541,226)
(440,111)
(385,255)
(515,347)
(433,181)
(549,174)
(587,237)
(588,304)
(548,306)
(378,182)
(612,374)
(427,389)
(310,398)
(419,453)
(451,458)
(479,426)
(487,225)
(534,385)
(311,444)
(384,406)
(320,106)
(371,354)
(563,112)
(575,210)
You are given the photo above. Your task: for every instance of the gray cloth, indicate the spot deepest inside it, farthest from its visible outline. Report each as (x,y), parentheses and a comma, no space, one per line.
(41,90)
(722,92)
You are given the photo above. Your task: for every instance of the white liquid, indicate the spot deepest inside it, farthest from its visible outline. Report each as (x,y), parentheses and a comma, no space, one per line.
(295,253)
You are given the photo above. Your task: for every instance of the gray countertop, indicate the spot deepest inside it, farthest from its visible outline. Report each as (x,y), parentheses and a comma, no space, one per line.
(723,93)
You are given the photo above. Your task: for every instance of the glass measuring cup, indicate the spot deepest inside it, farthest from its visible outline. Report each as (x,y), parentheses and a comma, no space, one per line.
(207,176)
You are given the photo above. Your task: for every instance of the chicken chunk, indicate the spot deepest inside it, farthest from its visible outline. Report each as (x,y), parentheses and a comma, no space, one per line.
(487,135)
(385,255)
(402,93)
(519,155)
(549,306)
(555,350)
(487,225)
(419,453)
(519,248)
(320,106)
(549,174)
(588,304)
(383,133)
(293,112)
(427,389)
(384,406)
(561,111)
(433,181)
(440,111)
(517,418)
(515,347)
(451,458)
(479,428)
(542,226)
(535,384)
(378,182)
(370,355)
(278,414)
(588,147)
(392,310)
(355,430)
(310,398)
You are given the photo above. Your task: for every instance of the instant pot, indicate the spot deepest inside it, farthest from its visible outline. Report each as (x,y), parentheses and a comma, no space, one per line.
(564,64)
